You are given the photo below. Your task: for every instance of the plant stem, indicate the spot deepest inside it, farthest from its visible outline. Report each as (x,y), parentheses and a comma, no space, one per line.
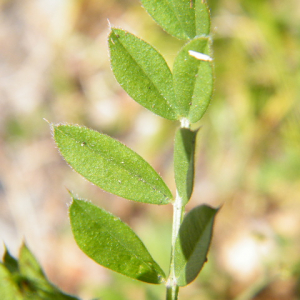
(172,292)
(178,211)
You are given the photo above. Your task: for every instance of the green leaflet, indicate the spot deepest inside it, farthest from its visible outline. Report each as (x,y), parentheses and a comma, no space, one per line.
(184,160)
(112,243)
(183,19)
(9,289)
(202,17)
(34,284)
(110,165)
(25,280)
(10,262)
(193,242)
(193,80)
(29,267)
(142,72)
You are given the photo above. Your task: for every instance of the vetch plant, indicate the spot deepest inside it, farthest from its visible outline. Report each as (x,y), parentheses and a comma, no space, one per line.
(181,95)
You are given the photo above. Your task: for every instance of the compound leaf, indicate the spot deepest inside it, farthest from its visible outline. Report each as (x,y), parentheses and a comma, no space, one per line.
(110,165)
(183,19)
(193,242)
(184,159)
(112,243)
(142,72)
(193,79)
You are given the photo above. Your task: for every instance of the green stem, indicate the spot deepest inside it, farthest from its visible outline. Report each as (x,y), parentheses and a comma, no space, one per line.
(178,211)
(172,292)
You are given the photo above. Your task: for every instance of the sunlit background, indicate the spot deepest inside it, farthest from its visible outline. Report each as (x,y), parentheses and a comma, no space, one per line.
(54,65)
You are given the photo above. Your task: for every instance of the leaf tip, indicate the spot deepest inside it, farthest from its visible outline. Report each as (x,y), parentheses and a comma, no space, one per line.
(113,29)
(109,24)
(23,245)
(75,199)
(47,121)
(5,250)
(50,124)
(72,198)
(70,193)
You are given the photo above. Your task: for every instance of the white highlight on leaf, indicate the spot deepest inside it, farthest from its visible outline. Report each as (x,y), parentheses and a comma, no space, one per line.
(200,56)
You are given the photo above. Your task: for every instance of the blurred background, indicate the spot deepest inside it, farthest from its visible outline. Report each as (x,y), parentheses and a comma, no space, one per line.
(54,65)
